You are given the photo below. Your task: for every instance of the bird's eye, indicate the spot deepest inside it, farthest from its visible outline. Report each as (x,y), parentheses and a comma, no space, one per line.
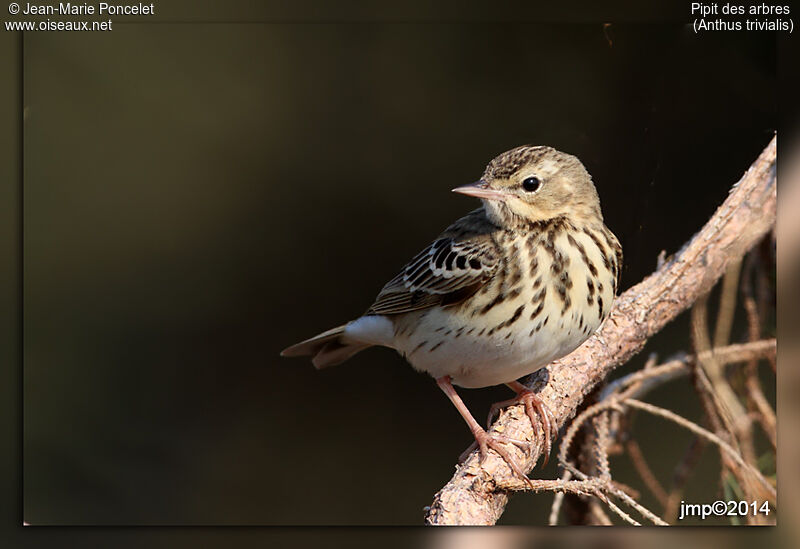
(531,184)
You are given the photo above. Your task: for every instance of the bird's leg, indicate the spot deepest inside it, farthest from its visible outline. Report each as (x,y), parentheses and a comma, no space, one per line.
(534,407)
(484,440)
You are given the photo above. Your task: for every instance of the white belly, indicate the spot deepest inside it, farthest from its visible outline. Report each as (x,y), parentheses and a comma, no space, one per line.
(473,360)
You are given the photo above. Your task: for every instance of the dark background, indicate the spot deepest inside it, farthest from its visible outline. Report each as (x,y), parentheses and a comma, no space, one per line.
(199,196)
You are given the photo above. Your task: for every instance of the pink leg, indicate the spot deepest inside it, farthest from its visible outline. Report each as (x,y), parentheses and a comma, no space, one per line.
(534,407)
(483,440)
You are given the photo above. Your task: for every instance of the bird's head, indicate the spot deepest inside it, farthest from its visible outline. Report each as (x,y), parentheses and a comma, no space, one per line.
(535,183)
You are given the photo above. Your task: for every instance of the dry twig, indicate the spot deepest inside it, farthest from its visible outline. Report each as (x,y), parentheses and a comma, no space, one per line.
(765,415)
(615,402)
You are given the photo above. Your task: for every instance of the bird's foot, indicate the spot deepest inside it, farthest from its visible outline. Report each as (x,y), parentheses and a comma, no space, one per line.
(537,411)
(485,441)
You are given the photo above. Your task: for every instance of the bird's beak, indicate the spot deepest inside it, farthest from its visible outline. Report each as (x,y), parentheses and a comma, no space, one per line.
(480,189)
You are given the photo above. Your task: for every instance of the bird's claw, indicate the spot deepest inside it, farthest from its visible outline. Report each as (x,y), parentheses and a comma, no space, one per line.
(537,411)
(485,441)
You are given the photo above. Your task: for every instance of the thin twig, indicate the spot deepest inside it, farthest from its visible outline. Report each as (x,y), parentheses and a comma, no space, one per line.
(680,475)
(598,516)
(727,304)
(765,416)
(721,395)
(645,512)
(640,382)
(646,474)
(558,501)
(603,483)
(601,446)
(619,512)
(711,437)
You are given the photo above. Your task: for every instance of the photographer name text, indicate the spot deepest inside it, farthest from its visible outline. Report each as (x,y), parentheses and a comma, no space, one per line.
(101,8)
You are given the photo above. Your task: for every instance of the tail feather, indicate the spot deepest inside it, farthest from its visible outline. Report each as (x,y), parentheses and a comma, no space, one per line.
(327,349)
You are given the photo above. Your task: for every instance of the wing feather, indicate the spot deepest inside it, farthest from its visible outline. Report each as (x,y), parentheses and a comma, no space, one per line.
(452,268)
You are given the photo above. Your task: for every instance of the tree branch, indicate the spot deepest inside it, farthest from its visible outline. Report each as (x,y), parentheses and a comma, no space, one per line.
(471,496)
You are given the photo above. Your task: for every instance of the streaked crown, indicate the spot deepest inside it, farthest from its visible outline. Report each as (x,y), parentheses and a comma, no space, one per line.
(535,183)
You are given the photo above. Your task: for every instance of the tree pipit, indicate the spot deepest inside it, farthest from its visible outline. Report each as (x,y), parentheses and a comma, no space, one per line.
(503,291)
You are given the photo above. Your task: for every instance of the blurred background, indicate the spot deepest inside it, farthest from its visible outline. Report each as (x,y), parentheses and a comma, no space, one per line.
(199,196)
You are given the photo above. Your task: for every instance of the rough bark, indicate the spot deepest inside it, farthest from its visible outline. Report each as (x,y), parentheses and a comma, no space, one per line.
(472,496)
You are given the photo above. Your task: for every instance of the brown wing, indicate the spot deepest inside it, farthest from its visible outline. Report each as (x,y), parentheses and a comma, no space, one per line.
(448,271)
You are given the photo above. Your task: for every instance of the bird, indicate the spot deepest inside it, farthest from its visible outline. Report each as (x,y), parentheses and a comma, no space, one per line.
(503,291)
